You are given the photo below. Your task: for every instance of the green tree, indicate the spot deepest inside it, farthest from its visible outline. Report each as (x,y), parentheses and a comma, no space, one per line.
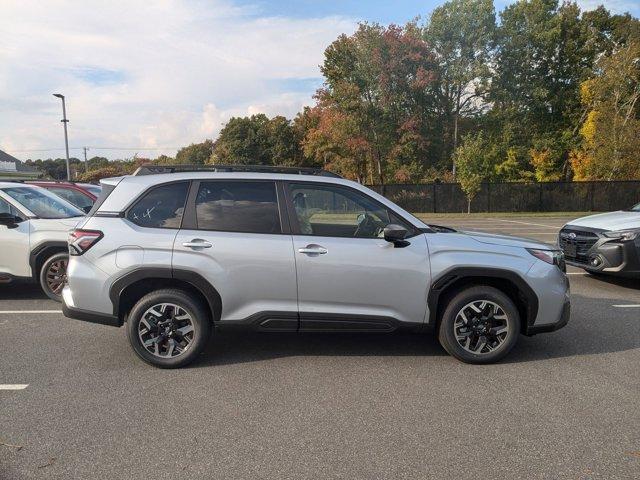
(195,154)
(243,141)
(473,166)
(462,33)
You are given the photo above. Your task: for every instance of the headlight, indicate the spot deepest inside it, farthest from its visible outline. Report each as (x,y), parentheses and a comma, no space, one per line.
(552,257)
(623,234)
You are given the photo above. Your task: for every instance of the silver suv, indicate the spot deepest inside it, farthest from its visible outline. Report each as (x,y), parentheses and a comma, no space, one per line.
(34,226)
(175,254)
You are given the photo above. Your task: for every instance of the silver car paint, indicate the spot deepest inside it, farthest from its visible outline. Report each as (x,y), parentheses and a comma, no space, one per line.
(620,220)
(18,243)
(255,273)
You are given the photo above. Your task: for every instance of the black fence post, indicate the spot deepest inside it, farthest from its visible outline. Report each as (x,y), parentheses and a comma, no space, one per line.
(592,188)
(489,197)
(435,208)
(539,197)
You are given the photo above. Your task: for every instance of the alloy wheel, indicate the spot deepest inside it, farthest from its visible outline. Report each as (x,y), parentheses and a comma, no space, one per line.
(57,276)
(481,326)
(166,330)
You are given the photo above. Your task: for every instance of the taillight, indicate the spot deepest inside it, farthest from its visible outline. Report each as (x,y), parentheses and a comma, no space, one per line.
(82,240)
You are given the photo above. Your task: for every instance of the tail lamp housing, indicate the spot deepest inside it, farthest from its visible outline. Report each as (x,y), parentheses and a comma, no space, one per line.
(82,240)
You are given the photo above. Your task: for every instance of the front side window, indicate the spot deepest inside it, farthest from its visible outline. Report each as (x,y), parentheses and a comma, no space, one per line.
(78,199)
(250,207)
(325,210)
(161,207)
(42,203)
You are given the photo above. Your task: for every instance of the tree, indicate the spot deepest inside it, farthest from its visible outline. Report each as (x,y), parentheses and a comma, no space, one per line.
(380,84)
(472,165)
(243,140)
(462,33)
(195,154)
(611,130)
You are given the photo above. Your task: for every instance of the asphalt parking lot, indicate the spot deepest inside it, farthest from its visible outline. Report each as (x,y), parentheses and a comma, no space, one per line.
(280,406)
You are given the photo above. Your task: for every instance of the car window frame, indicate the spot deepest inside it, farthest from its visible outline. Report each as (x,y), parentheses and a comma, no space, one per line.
(25,213)
(412,230)
(190,220)
(125,213)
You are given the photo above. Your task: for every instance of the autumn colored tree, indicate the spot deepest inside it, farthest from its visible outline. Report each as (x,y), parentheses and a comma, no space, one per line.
(611,130)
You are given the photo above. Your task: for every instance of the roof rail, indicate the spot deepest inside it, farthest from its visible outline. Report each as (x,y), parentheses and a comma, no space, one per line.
(157,169)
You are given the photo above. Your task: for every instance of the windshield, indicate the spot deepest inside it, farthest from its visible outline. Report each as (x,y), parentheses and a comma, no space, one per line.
(42,203)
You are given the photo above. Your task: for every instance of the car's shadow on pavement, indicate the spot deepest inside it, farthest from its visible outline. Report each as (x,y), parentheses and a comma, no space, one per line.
(623,282)
(21,291)
(229,348)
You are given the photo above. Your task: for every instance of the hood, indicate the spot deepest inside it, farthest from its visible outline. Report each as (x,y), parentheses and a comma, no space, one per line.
(56,224)
(509,241)
(619,220)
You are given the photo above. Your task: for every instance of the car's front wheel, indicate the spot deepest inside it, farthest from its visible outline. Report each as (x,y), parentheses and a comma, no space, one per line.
(53,275)
(480,324)
(168,328)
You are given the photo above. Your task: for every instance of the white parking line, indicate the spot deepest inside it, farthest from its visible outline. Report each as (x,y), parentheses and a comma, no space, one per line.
(525,223)
(14,386)
(11,312)
(626,306)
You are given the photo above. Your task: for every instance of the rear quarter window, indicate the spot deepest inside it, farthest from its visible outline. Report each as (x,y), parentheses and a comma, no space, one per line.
(160,207)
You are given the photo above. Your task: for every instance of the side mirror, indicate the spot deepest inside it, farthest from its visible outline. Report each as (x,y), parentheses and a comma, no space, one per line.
(8,220)
(395,234)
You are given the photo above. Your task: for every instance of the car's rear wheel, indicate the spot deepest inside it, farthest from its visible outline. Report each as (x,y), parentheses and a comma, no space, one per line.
(167,328)
(53,275)
(480,324)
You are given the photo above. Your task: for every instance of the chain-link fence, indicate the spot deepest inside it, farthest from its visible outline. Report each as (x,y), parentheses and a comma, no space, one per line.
(515,197)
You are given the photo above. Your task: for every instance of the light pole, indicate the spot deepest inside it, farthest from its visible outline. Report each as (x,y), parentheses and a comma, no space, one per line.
(66,138)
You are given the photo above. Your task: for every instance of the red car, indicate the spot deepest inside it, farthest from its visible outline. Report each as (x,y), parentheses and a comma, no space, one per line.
(82,195)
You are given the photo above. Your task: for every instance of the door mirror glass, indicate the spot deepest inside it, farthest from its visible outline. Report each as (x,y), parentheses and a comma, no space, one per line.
(395,234)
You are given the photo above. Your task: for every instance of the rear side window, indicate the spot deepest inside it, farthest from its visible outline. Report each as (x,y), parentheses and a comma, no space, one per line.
(78,199)
(250,207)
(161,207)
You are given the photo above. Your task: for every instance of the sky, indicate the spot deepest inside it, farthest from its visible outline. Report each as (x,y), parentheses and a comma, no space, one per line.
(148,77)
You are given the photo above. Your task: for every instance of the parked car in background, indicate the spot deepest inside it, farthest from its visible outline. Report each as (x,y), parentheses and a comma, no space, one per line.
(34,226)
(604,243)
(177,254)
(82,195)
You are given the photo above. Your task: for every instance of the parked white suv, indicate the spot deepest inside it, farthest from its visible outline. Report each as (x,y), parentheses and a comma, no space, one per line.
(604,243)
(34,226)
(175,255)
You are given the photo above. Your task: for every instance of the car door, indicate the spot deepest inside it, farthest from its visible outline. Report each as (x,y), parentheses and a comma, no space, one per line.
(235,234)
(14,256)
(349,277)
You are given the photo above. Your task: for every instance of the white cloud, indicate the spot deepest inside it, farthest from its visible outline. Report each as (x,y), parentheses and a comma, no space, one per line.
(149,74)
(614,6)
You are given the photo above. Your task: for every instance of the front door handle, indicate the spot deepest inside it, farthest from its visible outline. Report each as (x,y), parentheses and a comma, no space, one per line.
(197,243)
(313,250)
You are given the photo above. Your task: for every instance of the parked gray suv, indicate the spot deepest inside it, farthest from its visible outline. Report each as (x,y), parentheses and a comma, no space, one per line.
(176,253)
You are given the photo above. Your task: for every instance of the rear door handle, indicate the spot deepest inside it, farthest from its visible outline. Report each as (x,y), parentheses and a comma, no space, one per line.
(313,250)
(197,243)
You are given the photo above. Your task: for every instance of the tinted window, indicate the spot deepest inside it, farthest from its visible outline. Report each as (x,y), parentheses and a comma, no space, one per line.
(80,200)
(250,207)
(338,212)
(161,207)
(42,203)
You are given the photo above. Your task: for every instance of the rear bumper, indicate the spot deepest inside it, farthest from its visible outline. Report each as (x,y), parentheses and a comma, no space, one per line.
(551,327)
(71,311)
(93,317)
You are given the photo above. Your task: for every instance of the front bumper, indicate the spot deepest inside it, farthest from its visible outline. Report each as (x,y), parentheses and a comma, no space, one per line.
(605,255)
(551,327)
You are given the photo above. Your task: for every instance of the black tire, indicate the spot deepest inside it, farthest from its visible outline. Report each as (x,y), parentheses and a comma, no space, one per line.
(53,275)
(446,330)
(193,307)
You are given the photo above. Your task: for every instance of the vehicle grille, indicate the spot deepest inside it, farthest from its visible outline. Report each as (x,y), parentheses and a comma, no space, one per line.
(582,240)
